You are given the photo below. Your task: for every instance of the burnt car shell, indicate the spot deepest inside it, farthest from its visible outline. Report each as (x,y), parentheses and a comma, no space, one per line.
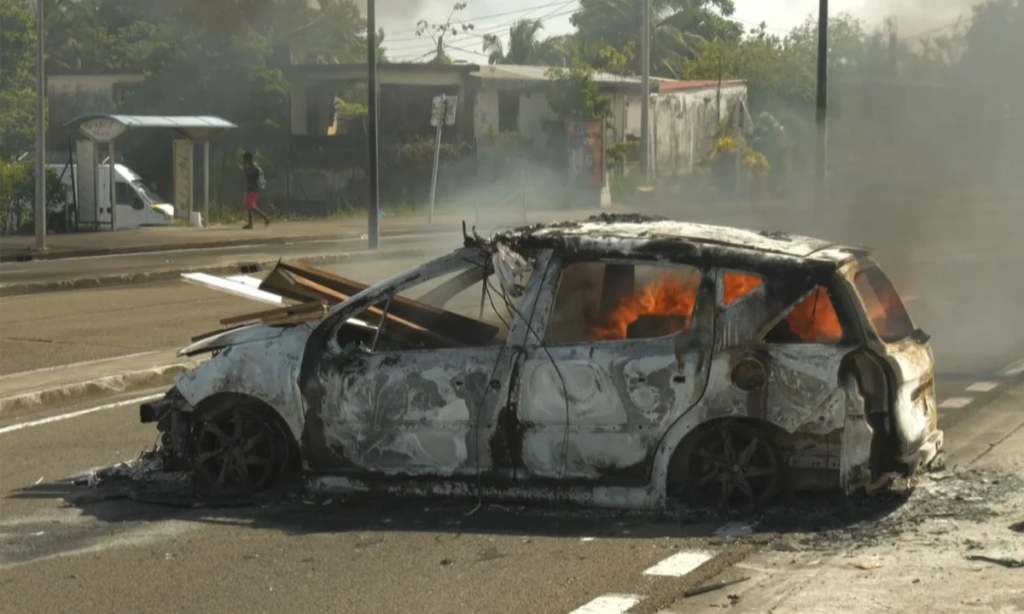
(461,409)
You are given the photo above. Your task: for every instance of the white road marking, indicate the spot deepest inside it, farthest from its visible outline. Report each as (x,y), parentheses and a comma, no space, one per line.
(608,604)
(76,364)
(956,402)
(78,414)
(982,387)
(680,564)
(1015,369)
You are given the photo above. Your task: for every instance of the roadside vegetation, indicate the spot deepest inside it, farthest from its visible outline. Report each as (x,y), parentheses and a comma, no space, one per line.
(227,58)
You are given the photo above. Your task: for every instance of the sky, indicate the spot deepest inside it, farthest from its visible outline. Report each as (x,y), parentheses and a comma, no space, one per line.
(399,17)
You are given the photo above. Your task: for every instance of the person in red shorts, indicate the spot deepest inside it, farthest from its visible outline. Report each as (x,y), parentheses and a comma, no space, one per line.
(254,182)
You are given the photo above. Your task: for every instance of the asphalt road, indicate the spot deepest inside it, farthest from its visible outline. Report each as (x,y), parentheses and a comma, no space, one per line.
(46,330)
(70,548)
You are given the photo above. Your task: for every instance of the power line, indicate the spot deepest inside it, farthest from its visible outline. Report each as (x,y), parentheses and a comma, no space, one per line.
(487,30)
(410,45)
(504,14)
(958,22)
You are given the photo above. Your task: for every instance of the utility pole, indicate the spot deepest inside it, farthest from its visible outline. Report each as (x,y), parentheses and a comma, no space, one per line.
(40,132)
(645,85)
(373,210)
(820,116)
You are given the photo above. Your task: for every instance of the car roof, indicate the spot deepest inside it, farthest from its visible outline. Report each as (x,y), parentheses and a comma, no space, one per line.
(614,233)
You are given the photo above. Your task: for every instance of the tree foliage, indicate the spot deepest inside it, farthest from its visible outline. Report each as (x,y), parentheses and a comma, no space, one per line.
(17,78)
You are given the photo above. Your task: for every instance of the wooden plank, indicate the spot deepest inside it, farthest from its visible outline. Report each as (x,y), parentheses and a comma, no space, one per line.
(467,331)
(311,308)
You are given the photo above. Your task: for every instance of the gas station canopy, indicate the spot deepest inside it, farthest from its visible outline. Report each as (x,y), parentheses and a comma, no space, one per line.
(104,127)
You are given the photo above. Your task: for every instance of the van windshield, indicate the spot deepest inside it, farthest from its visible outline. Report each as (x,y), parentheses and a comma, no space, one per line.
(148,192)
(883,304)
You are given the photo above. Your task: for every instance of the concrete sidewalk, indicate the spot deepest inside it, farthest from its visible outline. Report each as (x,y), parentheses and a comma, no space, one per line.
(158,239)
(29,391)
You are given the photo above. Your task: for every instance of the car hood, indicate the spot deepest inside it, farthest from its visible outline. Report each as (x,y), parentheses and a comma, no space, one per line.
(236,336)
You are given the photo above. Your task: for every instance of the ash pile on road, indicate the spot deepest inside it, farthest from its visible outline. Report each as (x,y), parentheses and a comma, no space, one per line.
(935,504)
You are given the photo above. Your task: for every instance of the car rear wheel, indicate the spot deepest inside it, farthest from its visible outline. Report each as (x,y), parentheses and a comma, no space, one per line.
(735,463)
(238,452)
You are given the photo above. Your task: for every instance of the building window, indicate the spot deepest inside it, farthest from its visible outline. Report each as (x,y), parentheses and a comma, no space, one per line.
(508,111)
(124,91)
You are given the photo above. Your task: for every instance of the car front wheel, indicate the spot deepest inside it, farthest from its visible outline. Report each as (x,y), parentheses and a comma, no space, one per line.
(238,452)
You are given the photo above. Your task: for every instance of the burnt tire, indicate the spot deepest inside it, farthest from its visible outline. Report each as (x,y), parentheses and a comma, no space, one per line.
(734,463)
(238,452)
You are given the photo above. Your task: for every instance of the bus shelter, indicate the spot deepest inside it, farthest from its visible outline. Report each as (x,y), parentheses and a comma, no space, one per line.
(104,129)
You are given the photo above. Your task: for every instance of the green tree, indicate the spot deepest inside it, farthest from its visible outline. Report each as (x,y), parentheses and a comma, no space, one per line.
(677,28)
(17,78)
(523,46)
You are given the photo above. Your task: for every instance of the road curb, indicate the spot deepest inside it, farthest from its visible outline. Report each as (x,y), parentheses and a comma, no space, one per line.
(77,392)
(83,283)
(30,256)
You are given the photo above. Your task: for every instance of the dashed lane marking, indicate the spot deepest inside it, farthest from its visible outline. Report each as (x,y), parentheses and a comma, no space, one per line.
(956,402)
(1015,369)
(982,387)
(608,604)
(680,564)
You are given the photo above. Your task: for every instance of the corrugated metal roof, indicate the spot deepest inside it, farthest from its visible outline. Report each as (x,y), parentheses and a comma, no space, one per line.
(181,122)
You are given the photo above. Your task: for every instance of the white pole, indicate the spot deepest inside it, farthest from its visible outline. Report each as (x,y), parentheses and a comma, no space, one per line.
(437,155)
(645,85)
(113,192)
(40,132)
(206,182)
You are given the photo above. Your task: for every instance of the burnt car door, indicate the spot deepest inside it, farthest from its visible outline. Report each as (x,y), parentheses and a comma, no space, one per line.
(400,386)
(617,351)
(781,341)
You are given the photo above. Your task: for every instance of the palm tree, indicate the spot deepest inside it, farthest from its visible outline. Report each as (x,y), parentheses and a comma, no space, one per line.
(523,46)
(678,27)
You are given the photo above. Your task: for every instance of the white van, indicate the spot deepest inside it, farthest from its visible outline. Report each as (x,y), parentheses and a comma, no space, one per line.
(137,204)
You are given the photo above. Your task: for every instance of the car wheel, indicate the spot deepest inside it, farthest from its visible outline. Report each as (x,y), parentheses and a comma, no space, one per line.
(733,464)
(238,452)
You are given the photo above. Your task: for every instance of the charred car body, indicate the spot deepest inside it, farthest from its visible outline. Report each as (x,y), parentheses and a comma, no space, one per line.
(626,362)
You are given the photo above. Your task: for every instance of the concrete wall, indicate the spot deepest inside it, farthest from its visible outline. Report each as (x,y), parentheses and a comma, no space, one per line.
(304,91)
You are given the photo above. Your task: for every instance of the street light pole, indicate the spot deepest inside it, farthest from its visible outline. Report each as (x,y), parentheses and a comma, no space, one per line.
(40,132)
(645,86)
(373,209)
(821,109)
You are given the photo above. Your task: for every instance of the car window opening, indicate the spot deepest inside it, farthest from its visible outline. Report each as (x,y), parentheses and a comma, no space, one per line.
(813,320)
(609,302)
(885,309)
(473,313)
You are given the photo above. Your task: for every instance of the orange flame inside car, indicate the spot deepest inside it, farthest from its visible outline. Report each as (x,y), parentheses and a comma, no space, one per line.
(814,320)
(671,295)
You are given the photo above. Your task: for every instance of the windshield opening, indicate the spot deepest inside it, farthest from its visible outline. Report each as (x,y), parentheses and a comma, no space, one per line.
(884,306)
(147,191)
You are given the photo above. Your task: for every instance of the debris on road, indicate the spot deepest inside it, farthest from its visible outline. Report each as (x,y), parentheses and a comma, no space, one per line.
(714,587)
(1002,561)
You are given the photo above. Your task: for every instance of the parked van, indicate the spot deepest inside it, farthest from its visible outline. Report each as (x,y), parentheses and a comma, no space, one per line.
(137,204)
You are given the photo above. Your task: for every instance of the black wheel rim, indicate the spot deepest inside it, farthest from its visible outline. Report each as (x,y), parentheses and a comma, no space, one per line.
(235,452)
(735,464)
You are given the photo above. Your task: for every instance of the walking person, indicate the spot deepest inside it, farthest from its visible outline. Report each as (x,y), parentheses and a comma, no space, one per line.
(254,182)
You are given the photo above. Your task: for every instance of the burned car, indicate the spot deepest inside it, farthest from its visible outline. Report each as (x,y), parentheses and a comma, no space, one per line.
(622,361)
